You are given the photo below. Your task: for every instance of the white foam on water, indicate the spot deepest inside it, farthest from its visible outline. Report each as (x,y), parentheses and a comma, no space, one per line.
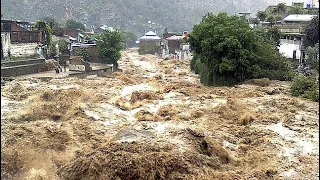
(307,146)
(281,130)
(160,128)
(289,173)
(127,90)
(92,114)
(145,65)
(4,102)
(55,87)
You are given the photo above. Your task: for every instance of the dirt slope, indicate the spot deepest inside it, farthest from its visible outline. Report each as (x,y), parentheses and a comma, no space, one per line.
(155,120)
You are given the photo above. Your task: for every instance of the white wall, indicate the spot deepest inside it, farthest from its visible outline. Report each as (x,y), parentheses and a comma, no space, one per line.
(23,49)
(287,50)
(17,49)
(5,42)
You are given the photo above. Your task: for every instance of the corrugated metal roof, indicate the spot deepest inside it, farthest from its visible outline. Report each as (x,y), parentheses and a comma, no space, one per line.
(298,17)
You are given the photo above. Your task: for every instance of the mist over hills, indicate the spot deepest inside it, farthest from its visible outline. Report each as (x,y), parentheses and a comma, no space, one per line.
(176,15)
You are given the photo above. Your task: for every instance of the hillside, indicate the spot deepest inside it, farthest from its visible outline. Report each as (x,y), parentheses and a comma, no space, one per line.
(177,15)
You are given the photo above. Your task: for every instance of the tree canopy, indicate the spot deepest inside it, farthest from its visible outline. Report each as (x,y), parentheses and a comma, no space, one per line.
(229,51)
(110,43)
(312,32)
(280,8)
(129,38)
(262,15)
(297,10)
(72,24)
(57,29)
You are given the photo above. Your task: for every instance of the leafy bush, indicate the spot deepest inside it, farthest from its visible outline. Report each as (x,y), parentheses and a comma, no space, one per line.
(312,54)
(306,87)
(63,46)
(52,51)
(73,24)
(84,52)
(148,48)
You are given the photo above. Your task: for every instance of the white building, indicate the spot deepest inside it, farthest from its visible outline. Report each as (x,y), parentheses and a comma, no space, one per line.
(293,30)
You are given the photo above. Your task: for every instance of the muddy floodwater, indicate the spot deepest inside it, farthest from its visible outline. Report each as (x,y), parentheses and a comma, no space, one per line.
(155,120)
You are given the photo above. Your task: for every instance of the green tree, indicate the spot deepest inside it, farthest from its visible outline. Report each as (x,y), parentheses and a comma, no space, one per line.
(262,15)
(271,35)
(63,46)
(312,32)
(129,38)
(254,21)
(271,19)
(84,52)
(297,10)
(110,43)
(57,29)
(48,36)
(313,56)
(280,8)
(231,52)
(72,24)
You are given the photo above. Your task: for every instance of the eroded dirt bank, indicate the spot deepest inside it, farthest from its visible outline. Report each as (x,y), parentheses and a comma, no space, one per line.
(155,120)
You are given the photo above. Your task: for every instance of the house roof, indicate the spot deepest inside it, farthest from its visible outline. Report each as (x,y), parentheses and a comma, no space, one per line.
(16,21)
(174,37)
(298,18)
(150,33)
(150,36)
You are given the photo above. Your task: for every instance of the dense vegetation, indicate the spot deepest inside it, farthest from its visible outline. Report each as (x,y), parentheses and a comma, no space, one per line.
(110,43)
(63,46)
(84,53)
(177,15)
(73,24)
(227,51)
(312,32)
(148,48)
(305,87)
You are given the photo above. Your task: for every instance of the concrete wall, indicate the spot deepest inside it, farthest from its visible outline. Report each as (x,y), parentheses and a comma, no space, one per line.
(17,68)
(76,63)
(24,49)
(100,72)
(5,44)
(20,70)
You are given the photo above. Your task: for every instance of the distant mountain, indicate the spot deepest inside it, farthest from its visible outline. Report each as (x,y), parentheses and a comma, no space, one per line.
(176,15)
